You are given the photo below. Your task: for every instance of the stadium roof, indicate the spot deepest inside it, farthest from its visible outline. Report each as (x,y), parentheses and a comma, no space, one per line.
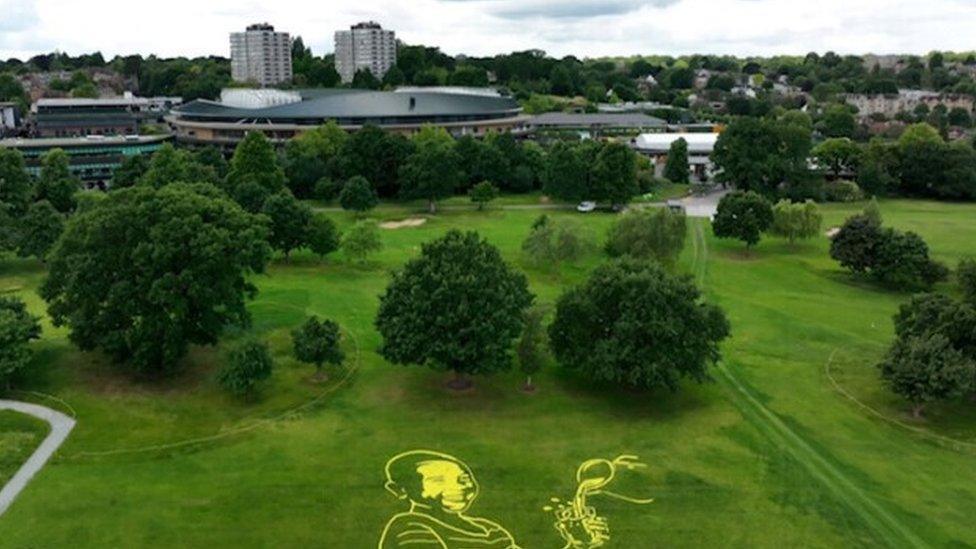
(348,104)
(606,120)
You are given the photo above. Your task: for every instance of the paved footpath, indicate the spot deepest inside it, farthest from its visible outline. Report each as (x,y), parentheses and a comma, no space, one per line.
(61,426)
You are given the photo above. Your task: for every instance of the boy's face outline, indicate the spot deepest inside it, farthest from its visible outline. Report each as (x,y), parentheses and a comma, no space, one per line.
(449,484)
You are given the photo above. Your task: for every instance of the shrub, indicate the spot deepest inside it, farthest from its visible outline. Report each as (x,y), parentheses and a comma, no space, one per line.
(247,365)
(17,329)
(552,242)
(362,240)
(646,234)
(843,191)
(966,274)
(358,195)
(317,342)
(796,221)
(483,193)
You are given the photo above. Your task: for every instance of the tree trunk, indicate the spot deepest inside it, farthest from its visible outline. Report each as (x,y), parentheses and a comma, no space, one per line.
(917,410)
(481,206)
(431,206)
(459,382)
(528,387)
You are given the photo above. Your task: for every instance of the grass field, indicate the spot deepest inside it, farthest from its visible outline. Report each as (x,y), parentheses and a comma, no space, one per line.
(769,454)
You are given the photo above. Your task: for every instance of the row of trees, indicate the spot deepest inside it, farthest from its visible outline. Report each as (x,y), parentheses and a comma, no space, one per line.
(746,215)
(894,259)
(459,306)
(771,156)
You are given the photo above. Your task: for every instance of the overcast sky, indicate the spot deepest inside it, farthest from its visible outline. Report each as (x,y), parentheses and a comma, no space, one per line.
(583,28)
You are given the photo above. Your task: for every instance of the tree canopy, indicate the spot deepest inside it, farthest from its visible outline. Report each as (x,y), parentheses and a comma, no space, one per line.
(743,216)
(646,234)
(147,272)
(633,324)
(17,329)
(458,306)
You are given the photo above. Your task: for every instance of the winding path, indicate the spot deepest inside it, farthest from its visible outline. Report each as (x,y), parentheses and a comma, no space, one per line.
(61,426)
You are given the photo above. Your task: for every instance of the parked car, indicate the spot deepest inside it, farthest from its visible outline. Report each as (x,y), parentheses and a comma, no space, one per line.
(586,207)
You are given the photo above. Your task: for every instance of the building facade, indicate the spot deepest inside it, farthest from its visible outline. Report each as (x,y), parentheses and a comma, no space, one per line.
(364,46)
(79,117)
(281,115)
(890,105)
(94,158)
(657,146)
(260,55)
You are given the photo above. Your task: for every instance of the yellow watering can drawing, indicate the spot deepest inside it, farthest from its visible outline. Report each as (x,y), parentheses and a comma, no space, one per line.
(439,489)
(576,520)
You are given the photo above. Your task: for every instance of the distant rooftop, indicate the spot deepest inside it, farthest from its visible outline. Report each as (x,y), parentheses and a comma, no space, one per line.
(607,120)
(367,25)
(260,27)
(99,140)
(698,143)
(456,90)
(127,100)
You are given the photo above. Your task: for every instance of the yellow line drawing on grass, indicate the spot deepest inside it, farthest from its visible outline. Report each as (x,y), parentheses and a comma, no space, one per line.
(440,490)
(576,520)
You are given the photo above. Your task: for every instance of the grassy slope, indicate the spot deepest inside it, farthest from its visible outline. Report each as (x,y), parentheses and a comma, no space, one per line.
(769,455)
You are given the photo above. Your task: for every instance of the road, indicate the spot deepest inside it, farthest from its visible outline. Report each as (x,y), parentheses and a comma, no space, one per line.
(61,426)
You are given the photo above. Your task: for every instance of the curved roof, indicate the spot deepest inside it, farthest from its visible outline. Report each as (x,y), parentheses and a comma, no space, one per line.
(346,104)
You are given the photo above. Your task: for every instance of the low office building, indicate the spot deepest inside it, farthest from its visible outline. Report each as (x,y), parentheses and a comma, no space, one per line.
(281,115)
(93,158)
(79,117)
(595,125)
(657,146)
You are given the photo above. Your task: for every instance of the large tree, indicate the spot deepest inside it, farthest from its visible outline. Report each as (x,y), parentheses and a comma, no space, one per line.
(433,170)
(743,216)
(762,154)
(289,221)
(459,306)
(634,324)
(17,329)
(147,272)
(313,155)
(57,184)
(838,155)
(254,170)
(615,173)
(170,165)
(39,229)
(376,155)
(317,342)
(926,369)
(15,185)
(676,169)
(566,173)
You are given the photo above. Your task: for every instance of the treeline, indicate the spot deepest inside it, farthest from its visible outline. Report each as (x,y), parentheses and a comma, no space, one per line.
(771,155)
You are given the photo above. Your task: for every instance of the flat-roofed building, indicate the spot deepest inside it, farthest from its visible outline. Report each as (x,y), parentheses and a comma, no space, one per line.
(657,146)
(364,46)
(78,117)
(260,55)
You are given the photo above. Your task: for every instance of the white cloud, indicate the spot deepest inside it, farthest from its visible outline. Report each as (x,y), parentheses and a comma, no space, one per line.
(483,27)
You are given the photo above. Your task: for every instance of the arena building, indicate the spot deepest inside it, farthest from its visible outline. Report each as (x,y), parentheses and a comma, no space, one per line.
(281,115)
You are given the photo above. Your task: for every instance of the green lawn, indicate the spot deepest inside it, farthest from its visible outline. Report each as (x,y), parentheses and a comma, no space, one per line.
(768,455)
(19,436)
